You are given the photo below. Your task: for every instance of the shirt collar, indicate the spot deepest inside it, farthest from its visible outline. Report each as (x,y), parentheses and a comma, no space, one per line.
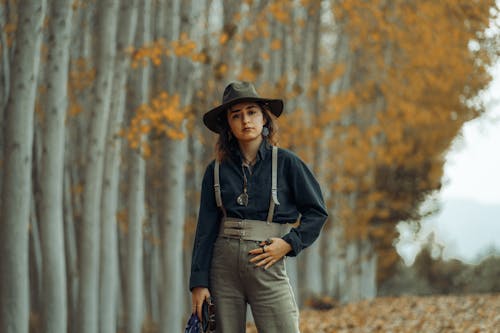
(262,153)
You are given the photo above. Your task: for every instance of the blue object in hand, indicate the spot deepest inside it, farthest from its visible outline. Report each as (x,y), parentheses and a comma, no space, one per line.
(193,325)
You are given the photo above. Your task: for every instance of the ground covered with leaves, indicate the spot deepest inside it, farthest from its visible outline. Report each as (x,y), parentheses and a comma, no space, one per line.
(456,313)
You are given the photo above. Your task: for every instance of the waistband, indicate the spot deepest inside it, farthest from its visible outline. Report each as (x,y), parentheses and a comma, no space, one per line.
(254,230)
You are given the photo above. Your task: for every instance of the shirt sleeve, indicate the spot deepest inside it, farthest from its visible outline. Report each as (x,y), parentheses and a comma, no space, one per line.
(206,232)
(309,201)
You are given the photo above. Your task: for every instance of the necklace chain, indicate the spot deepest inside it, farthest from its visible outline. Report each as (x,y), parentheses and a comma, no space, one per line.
(249,162)
(242,199)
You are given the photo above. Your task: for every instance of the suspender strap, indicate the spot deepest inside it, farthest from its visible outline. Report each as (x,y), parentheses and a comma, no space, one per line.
(218,197)
(274,185)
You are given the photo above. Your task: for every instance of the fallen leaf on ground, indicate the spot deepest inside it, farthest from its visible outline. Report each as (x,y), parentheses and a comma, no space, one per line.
(450,313)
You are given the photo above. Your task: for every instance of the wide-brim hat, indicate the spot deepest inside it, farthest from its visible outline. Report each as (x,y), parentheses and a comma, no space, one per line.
(237,92)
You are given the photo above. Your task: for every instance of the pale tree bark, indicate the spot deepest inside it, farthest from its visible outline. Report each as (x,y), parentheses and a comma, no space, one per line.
(303,60)
(288,57)
(310,277)
(16,185)
(292,33)
(4,77)
(153,266)
(274,63)
(54,300)
(166,21)
(109,256)
(75,152)
(175,155)
(368,270)
(227,54)
(35,259)
(251,56)
(4,84)
(82,59)
(350,270)
(360,272)
(361,258)
(198,154)
(133,291)
(334,251)
(70,250)
(167,28)
(89,241)
(174,184)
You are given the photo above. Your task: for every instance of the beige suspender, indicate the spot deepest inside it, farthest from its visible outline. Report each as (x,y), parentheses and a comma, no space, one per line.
(274,186)
(218,197)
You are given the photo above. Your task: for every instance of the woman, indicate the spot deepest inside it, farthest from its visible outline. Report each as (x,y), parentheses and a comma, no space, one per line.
(251,194)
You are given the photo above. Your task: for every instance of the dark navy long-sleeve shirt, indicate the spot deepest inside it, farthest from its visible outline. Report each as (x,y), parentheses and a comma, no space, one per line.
(298,193)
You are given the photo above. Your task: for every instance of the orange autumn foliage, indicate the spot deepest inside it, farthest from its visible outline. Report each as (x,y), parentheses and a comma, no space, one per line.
(156,51)
(411,72)
(162,117)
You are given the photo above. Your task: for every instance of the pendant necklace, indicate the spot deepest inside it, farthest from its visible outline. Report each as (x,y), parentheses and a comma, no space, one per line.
(242,199)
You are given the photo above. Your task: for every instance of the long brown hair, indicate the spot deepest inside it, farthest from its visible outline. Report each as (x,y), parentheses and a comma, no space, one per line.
(227,143)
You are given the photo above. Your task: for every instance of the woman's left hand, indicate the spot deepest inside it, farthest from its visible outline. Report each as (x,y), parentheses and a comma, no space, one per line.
(268,254)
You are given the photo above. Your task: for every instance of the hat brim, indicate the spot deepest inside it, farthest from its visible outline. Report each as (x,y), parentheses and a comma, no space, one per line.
(212,119)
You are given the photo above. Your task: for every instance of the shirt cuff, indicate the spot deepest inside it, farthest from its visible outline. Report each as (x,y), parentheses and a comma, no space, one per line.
(198,279)
(292,239)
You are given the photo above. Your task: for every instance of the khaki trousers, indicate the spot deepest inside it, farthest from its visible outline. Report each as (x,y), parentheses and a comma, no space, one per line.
(235,282)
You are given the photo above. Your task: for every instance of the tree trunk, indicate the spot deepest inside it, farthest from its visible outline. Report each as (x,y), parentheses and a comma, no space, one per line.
(109,256)
(311,275)
(349,271)
(334,251)
(133,279)
(4,79)
(54,309)
(16,184)
(368,263)
(172,235)
(224,69)
(89,242)
(71,253)
(167,28)
(174,185)
(134,292)
(35,263)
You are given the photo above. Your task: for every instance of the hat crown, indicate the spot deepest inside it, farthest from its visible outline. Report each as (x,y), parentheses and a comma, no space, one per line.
(237,90)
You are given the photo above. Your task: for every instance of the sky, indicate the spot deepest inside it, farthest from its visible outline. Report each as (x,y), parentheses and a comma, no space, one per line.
(472,168)
(468,223)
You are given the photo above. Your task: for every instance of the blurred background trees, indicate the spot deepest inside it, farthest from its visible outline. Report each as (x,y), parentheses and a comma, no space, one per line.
(102,147)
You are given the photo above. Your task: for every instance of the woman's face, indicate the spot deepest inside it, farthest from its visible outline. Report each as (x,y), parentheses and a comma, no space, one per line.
(246,121)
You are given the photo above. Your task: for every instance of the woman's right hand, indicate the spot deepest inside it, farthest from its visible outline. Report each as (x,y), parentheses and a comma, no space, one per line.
(198,295)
